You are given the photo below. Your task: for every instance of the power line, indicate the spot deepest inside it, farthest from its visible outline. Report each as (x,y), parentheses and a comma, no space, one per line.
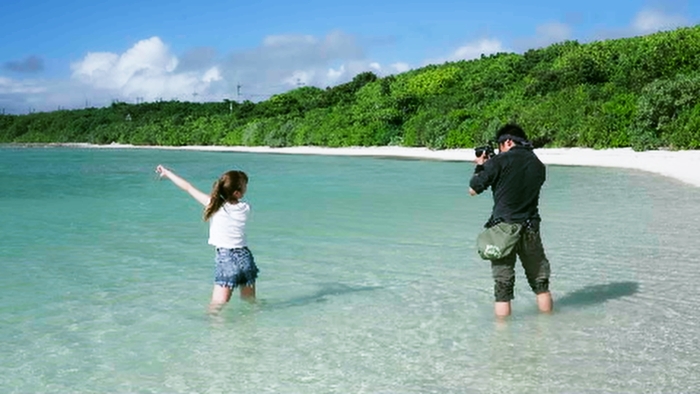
(271,90)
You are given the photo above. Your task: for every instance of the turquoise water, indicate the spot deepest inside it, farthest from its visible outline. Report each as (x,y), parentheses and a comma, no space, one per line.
(369,280)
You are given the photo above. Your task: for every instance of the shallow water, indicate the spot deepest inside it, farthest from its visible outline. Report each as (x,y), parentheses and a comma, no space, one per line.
(369,280)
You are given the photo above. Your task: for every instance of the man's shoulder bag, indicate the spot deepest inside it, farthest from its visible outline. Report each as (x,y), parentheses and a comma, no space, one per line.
(498,241)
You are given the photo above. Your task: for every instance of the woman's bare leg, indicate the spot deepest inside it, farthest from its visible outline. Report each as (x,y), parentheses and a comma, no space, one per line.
(219,297)
(248,293)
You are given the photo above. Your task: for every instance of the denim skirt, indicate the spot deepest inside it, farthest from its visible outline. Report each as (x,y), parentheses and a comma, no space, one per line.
(235,267)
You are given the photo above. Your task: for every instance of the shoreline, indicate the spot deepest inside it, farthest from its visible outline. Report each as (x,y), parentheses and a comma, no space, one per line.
(681,165)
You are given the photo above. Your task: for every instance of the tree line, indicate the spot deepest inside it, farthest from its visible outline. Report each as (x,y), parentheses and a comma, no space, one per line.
(640,92)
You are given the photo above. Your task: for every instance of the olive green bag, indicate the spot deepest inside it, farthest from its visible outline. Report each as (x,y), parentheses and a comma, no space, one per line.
(498,241)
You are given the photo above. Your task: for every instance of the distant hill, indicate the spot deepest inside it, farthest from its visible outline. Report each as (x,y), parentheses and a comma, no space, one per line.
(641,92)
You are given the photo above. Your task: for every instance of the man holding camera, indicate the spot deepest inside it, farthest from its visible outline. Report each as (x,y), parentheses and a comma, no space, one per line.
(515,176)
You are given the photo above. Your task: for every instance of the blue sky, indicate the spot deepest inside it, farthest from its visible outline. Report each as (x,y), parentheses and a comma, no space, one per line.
(69,53)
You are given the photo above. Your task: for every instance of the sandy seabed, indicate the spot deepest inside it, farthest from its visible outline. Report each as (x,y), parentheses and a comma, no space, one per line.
(682,165)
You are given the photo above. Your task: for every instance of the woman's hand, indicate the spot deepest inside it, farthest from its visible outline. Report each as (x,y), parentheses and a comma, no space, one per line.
(162,171)
(183,184)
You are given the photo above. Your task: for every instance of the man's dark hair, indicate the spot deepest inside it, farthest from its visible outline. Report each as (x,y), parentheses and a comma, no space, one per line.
(512,132)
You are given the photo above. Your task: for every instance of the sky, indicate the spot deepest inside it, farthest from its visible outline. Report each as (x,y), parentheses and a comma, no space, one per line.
(77,53)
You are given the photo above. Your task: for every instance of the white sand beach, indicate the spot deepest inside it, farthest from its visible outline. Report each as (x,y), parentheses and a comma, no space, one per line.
(681,165)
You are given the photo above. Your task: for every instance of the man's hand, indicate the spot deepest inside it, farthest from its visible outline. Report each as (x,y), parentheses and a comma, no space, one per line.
(481,159)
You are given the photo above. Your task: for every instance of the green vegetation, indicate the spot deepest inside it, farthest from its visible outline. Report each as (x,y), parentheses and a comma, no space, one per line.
(641,92)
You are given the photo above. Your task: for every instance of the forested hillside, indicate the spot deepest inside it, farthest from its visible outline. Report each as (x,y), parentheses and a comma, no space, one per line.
(642,92)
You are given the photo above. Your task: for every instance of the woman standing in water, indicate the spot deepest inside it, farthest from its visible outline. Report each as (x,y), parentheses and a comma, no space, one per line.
(227,216)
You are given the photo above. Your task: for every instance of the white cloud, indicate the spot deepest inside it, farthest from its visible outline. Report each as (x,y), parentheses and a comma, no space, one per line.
(334,75)
(20,96)
(149,71)
(545,34)
(646,21)
(212,75)
(300,78)
(553,32)
(475,50)
(285,40)
(349,70)
(651,21)
(400,67)
(146,70)
(282,62)
(10,86)
(345,72)
(472,50)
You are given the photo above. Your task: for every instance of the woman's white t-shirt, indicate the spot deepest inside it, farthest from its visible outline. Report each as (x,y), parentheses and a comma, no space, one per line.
(227,226)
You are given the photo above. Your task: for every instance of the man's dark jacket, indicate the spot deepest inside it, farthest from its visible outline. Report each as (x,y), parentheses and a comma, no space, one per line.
(516,178)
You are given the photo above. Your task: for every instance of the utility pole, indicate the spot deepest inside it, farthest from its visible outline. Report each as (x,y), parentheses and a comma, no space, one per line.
(238,92)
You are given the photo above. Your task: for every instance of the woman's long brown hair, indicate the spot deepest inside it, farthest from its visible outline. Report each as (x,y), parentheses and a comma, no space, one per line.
(223,189)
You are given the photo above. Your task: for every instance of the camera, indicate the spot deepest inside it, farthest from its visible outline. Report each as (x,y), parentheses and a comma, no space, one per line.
(479,150)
